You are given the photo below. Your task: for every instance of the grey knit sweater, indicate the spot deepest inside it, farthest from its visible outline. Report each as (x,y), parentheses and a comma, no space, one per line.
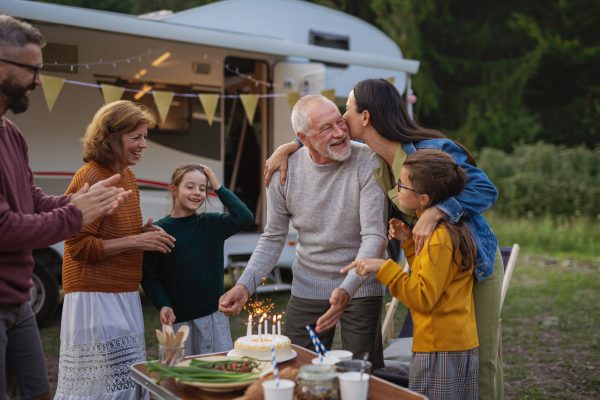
(340,214)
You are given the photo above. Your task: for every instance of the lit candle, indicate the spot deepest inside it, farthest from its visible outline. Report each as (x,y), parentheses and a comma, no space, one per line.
(259,329)
(279,324)
(249,328)
(274,320)
(266,327)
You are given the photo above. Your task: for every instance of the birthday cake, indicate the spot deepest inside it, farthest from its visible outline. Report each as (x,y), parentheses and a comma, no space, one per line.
(250,346)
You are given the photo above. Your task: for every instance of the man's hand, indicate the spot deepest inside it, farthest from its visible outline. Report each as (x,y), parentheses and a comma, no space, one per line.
(167,317)
(151,228)
(279,161)
(339,300)
(399,230)
(107,183)
(95,204)
(425,226)
(365,266)
(232,301)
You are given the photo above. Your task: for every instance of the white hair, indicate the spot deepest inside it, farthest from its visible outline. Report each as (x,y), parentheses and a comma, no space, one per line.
(301,121)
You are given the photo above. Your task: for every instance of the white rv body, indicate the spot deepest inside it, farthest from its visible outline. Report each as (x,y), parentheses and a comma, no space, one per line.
(270,37)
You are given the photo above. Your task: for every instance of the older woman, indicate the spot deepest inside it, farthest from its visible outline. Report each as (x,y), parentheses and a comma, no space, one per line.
(102,330)
(376,114)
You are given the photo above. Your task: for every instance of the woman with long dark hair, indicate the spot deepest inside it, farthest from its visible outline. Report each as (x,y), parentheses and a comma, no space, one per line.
(376,114)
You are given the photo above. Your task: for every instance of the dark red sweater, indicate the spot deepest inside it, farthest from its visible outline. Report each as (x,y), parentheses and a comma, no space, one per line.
(28,218)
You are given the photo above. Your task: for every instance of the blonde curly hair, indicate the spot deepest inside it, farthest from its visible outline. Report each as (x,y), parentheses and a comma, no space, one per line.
(104,135)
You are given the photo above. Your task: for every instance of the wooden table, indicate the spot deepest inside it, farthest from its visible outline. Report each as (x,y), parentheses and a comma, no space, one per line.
(169,390)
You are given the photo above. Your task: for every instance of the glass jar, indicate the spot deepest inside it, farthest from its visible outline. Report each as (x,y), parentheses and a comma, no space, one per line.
(171,355)
(317,382)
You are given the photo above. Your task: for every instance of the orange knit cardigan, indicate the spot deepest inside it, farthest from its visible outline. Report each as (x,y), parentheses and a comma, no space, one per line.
(86,268)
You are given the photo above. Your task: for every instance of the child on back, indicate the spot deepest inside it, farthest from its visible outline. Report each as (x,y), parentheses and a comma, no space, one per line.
(445,361)
(185,285)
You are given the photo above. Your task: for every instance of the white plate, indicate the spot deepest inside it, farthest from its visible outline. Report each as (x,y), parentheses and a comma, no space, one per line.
(279,360)
(224,387)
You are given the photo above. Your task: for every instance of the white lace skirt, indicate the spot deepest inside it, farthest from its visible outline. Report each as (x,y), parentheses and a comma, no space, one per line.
(102,335)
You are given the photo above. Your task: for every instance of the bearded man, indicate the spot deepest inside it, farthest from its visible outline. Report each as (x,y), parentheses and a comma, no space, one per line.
(28,218)
(334,202)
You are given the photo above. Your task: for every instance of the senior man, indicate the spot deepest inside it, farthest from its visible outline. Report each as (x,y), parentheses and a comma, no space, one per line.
(334,202)
(28,218)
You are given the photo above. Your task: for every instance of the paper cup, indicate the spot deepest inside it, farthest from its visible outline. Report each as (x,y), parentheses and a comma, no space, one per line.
(326,360)
(343,355)
(352,387)
(285,391)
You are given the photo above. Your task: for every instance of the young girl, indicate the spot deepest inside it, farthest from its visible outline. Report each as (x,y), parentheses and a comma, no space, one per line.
(445,361)
(185,285)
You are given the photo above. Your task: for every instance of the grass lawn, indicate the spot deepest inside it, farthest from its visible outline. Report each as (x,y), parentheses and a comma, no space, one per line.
(551,329)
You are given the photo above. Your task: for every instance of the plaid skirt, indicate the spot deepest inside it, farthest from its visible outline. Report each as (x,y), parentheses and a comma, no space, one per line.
(445,374)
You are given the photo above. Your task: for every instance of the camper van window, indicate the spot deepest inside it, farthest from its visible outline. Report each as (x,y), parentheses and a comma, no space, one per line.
(332,41)
(186,127)
(60,53)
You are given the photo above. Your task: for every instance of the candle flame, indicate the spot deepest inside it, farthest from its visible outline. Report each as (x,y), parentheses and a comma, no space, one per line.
(250,317)
(279,316)
(261,320)
(274,319)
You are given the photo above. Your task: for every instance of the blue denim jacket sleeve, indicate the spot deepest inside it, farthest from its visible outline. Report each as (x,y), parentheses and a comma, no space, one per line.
(479,193)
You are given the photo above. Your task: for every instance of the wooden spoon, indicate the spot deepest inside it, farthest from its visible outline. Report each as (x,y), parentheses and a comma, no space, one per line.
(186,332)
(160,336)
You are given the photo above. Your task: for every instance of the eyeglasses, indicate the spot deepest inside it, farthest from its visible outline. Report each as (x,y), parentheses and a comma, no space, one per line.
(35,68)
(400,185)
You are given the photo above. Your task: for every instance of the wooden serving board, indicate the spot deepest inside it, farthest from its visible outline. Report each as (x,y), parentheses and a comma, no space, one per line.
(169,390)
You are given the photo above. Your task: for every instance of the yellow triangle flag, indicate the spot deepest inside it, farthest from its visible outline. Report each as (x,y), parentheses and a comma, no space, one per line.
(292,98)
(391,80)
(249,101)
(163,103)
(51,87)
(209,104)
(111,93)
(329,93)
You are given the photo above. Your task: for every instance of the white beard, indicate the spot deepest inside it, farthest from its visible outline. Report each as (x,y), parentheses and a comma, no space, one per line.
(339,155)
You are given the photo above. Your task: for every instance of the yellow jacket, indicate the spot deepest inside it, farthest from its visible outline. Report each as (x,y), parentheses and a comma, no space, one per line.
(438,293)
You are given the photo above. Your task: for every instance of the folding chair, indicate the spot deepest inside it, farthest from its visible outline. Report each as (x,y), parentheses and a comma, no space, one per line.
(509,259)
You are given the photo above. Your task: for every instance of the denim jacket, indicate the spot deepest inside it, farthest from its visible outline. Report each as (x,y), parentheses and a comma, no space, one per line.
(478,196)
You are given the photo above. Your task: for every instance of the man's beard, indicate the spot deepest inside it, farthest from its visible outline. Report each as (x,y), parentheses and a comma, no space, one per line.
(15,97)
(339,155)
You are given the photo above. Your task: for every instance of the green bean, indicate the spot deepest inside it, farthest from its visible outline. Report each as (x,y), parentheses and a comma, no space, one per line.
(198,374)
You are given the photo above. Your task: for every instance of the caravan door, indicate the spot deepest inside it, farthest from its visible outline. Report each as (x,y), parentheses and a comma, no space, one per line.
(289,77)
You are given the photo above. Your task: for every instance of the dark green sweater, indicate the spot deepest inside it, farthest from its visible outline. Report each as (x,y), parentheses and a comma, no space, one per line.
(189,279)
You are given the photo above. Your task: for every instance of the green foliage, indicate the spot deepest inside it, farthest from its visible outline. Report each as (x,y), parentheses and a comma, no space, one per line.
(544,179)
(575,235)
(496,74)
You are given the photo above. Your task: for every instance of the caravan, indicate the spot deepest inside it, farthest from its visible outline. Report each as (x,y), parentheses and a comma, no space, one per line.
(230,48)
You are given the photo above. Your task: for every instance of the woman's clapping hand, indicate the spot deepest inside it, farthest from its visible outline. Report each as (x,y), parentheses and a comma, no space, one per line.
(155,241)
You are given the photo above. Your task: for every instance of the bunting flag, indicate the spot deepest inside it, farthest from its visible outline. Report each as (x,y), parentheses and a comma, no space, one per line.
(391,80)
(329,93)
(249,101)
(51,87)
(112,93)
(163,103)
(292,98)
(209,104)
